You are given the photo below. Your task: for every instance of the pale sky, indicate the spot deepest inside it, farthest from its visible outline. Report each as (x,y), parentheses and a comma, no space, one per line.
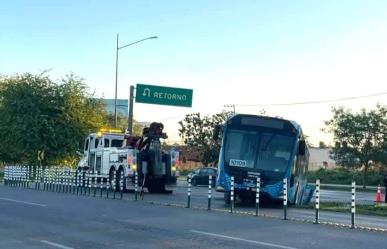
(246,53)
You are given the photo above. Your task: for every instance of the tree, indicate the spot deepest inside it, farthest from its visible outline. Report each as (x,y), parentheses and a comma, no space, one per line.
(360,138)
(137,128)
(197,133)
(122,123)
(322,145)
(37,113)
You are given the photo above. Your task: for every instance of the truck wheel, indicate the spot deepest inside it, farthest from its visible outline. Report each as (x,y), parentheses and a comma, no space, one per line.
(112,175)
(156,187)
(118,178)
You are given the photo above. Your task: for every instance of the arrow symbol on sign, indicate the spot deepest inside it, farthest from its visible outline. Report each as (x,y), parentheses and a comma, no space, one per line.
(146,92)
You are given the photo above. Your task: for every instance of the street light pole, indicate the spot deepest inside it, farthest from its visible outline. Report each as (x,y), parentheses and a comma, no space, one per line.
(118,48)
(130,117)
(115,96)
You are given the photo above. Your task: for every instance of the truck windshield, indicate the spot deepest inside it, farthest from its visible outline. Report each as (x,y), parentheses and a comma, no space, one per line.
(255,150)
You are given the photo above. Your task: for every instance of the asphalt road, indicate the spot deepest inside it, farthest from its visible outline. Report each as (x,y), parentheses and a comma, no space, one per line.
(343,196)
(199,199)
(39,219)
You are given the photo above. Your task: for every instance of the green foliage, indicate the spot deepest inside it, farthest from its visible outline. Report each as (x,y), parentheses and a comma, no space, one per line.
(37,113)
(197,133)
(344,176)
(360,138)
(184,172)
(122,123)
(137,128)
(322,145)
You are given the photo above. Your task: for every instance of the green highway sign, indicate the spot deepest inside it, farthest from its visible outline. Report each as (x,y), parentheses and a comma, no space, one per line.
(161,95)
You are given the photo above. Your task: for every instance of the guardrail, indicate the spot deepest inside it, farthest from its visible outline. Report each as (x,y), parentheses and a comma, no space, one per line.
(348,187)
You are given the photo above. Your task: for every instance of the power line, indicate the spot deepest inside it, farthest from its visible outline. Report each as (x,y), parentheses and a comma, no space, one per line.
(316,102)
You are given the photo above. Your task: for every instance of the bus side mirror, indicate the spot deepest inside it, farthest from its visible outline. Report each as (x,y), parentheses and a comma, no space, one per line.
(215,132)
(301,147)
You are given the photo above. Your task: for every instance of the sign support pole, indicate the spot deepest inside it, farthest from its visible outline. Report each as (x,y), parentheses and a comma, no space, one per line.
(130,116)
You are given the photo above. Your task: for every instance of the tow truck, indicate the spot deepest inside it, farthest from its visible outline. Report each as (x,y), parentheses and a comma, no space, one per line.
(115,154)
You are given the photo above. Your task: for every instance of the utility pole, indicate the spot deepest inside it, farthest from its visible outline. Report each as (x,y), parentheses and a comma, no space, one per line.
(115,98)
(118,48)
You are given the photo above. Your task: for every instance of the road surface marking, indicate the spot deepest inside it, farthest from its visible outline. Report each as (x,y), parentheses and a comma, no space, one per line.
(244,240)
(55,244)
(24,202)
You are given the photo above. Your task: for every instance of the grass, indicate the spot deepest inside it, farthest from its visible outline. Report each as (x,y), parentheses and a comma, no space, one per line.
(345,176)
(379,210)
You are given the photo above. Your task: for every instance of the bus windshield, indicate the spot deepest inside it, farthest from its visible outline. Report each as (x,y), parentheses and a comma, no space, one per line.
(255,150)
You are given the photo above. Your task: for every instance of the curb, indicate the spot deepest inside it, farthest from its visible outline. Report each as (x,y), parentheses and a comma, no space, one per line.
(244,213)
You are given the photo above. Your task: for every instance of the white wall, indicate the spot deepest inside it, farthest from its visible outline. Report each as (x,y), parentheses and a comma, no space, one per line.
(318,157)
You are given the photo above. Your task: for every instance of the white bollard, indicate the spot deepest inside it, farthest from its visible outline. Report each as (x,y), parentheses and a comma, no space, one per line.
(285,189)
(317,201)
(353,204)
(257,192)
(209,192)
(232,195)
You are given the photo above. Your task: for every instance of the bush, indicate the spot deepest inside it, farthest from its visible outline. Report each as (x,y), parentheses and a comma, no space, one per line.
(345,176)
(187,167)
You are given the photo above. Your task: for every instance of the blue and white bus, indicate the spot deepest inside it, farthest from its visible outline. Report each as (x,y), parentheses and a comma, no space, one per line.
(271,148)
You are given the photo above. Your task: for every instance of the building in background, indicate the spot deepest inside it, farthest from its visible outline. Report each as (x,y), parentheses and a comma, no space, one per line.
(319,158)
(122,107)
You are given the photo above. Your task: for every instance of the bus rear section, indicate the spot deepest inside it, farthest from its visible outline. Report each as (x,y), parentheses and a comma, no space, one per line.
(270,148)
